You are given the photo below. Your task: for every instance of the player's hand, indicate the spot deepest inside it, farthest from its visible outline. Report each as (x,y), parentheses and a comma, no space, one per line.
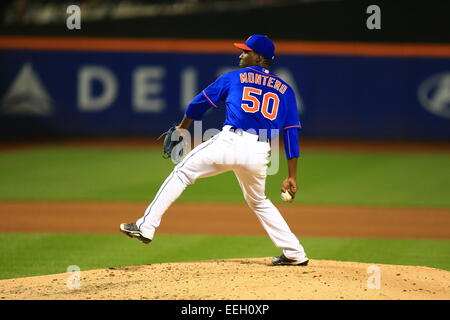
(290,185)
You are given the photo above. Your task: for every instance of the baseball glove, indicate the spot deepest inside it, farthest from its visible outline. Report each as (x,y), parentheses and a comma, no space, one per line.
(171,142)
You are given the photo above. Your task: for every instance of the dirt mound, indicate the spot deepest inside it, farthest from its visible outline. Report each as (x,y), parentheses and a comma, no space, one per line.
(237,279)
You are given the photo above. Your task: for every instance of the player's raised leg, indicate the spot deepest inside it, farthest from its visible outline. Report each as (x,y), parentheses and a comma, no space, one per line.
(200,162)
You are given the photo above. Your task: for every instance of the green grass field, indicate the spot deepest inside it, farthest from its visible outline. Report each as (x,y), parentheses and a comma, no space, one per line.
(77,174)
(36,254)
(88,174)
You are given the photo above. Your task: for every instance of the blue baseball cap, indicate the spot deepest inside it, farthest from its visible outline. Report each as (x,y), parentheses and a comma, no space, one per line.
(259,44)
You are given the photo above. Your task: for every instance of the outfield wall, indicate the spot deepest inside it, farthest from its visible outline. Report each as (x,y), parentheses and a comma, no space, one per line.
(125,87)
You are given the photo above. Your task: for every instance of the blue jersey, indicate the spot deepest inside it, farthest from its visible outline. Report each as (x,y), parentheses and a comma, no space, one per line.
(255,99)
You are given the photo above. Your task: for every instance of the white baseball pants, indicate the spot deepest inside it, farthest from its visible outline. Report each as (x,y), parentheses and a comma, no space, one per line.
(248,159)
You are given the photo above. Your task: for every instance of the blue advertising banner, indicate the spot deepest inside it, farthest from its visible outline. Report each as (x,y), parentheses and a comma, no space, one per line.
(140,93)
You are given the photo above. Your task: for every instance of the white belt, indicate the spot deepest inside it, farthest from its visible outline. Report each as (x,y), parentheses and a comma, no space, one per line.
(244,134)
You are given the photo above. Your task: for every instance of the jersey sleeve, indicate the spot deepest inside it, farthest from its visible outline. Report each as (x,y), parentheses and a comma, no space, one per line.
(291,127)
(208,98)
(292,117)
(291,145)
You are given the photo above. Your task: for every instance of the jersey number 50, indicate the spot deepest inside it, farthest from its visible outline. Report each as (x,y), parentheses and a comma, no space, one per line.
(253,95)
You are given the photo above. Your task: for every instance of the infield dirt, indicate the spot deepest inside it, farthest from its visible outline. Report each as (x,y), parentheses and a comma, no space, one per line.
(236,279)
(228,219)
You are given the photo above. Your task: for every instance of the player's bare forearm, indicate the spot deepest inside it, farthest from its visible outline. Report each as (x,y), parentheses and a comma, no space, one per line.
(185,123)
(290,183)
(292,168)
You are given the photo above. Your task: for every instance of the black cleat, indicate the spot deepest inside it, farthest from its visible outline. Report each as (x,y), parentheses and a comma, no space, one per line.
(283,261)
(131,230)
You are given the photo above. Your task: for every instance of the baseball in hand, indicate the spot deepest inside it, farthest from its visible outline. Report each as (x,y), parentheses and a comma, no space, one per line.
(286,196)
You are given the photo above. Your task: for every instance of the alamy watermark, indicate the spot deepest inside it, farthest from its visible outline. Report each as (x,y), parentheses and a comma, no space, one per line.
(181,150)
(74,280)
(74,20)
(374,280)
(374,20)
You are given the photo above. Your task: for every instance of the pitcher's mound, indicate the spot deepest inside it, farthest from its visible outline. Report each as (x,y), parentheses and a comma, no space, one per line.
(236,279)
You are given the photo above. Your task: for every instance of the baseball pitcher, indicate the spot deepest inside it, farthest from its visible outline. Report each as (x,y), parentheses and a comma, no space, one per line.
(258,103)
